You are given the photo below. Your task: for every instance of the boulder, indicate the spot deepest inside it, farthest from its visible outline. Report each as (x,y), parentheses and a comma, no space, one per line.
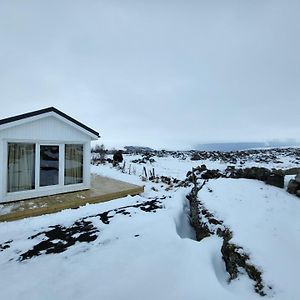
(118,156)
(275,180)
(253,173)
(292,171)
(297,179)
(211,174)
(196,156)
(293,187)
(274,177)
(199,169)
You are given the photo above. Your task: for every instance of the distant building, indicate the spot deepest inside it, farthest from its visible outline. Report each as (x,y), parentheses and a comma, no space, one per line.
(44,152)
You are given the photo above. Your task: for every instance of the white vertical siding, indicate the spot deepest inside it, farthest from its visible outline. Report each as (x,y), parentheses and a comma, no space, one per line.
(3,168)
(86,164)
(44,129)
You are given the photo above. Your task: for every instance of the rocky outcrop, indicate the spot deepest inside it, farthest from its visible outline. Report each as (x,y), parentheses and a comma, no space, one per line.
(196,216)
(196,156)
(275,180)
(235,258)
(265,156)
(272,177)
(294,186)
(206,224)
(146,157)
(292,171)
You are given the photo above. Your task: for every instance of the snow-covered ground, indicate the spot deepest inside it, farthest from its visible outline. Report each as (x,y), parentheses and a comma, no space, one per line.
(135,252)
(265,222)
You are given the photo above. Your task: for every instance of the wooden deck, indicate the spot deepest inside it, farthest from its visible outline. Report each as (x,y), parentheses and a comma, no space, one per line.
(102,189)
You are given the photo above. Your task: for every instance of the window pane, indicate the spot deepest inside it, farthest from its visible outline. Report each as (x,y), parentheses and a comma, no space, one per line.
(49,165)
(21,167)
(73,164)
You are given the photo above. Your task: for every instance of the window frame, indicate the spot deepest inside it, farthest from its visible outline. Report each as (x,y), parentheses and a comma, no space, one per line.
(38,190)
(7,166)
(82,163)
(38,162)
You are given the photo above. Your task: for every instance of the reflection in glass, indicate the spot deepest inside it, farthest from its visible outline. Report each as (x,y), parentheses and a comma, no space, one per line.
(49,165)
(21,167)
(73,164)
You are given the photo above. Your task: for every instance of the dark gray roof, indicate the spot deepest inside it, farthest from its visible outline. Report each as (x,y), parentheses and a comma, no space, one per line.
(47,110)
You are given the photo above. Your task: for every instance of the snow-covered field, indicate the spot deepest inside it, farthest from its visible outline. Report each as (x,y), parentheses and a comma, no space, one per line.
(143,247)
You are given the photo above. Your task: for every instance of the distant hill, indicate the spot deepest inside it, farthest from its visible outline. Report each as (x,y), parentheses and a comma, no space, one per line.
(243,146)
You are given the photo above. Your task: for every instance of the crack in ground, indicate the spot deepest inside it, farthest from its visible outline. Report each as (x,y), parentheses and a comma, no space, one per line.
(234,256)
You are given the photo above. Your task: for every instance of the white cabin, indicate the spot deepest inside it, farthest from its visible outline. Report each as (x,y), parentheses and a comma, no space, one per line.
(43,153)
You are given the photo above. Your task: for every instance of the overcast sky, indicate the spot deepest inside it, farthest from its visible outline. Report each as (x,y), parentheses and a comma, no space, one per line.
(166,74)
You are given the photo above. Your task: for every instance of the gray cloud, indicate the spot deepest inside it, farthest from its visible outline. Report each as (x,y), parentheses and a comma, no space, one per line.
(157,73)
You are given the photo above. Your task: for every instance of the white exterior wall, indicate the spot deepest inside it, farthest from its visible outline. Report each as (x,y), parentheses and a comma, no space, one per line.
(45,129)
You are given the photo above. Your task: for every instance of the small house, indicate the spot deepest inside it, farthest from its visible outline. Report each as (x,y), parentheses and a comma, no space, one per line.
(44,152)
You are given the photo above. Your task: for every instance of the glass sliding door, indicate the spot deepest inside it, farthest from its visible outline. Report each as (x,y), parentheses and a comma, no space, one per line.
(21,167)
(73,164)
(49,165)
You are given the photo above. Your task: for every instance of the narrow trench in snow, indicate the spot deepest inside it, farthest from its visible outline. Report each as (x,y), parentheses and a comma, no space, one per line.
(236,259)
(184,227)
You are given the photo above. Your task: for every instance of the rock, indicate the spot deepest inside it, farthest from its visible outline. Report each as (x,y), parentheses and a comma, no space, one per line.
(293,187)
(195,156)
(297,179)
(257,173)
(118,156)
(203,167)
(249,173)
(211,174)
(201,228)
(275,180)
(234,256)
(298,193)
(292,171)
(198,170)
